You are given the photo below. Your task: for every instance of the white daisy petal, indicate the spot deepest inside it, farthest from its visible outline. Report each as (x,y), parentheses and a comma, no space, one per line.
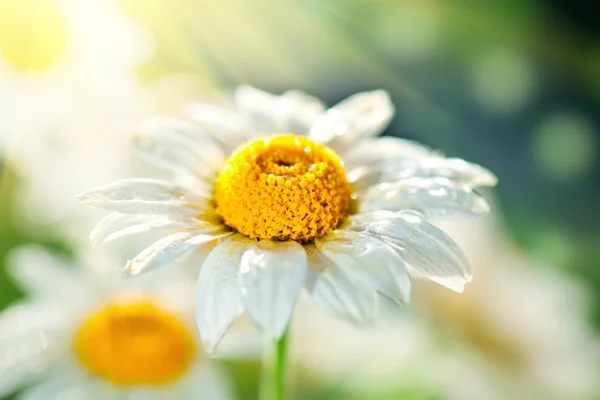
(371,151)
(117,225)
(258,106)
(421,245)
(435,197)
(293,111)
(145,196)
(364,177)
(317,263)
(168,250)
(164,208)
(380,266)
(179,146)
(139,189)
(394,169)
(225,125)
(457,170)
(341,293)
(297,112)
(358,117)
(218,297)
(272,276)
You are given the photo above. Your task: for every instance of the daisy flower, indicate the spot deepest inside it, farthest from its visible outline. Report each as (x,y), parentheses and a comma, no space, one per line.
(76,336)
(293,195)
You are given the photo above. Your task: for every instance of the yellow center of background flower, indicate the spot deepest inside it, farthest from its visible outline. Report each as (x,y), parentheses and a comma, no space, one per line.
(135,344)
(33,33)
(284,187)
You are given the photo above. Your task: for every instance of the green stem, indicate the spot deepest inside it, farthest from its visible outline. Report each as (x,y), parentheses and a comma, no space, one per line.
(273,384)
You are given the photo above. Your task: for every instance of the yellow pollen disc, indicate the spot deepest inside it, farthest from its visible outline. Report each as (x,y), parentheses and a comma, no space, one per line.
(33,33)
(135,344)
(284,188)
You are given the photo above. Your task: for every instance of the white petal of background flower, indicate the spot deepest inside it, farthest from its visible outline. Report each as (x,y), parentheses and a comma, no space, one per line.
(179,146)
(360,116)
(272,276)
(421,245)
(42,275)
(218,296)
(437,198)
(345,296)
(167,250)
(208,382)
(25,330)
(145,393)
(69,385)
(380,267)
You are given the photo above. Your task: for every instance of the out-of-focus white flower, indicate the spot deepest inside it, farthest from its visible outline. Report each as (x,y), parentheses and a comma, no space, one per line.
(287,212)
(396,352)
(520,332)
(69,90)
(85,334)
(528,317)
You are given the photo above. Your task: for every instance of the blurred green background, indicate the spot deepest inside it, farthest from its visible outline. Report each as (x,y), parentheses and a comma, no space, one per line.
(513,85)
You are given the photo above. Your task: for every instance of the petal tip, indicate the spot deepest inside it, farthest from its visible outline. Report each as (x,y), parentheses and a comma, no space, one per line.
(130,269)
(83,198)
(90,198)
(491,180)
(480,205)
(211,344)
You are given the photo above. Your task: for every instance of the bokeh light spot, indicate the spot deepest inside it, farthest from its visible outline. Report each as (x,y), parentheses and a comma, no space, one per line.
(564,146)
(503,81)
(410,32)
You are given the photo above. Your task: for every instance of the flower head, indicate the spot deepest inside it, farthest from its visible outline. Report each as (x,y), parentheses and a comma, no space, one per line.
(77,336)
(135,343)
(284,188)
(294,196)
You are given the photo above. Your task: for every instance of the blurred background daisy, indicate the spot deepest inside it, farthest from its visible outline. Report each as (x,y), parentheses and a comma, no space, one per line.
(514,86)
(82,332)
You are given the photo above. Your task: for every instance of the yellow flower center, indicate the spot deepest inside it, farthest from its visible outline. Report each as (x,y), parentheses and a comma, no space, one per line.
(33,33)
(284,187)
(135,344)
